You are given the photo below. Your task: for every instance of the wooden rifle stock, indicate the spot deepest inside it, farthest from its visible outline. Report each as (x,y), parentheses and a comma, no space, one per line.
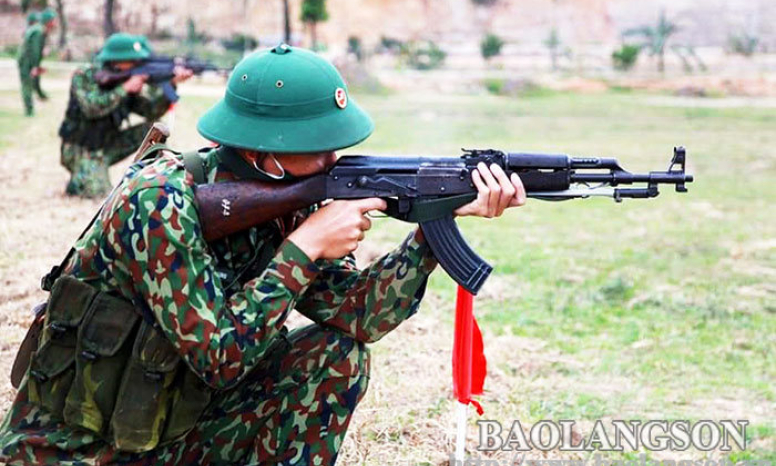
(232,206)
(158,134)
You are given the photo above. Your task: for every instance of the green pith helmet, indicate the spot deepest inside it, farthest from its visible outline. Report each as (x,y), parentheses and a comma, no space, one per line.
(144,42)
(47,15)
(124,47)
(286,100)
(32,18)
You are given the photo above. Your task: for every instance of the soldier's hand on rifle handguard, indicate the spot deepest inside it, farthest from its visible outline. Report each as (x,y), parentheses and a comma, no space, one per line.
(181,74)
(495,192)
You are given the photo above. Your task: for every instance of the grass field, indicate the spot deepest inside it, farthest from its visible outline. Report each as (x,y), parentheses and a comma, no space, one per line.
(656,309)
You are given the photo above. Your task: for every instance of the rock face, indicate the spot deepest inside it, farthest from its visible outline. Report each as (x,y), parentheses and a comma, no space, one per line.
(458,25)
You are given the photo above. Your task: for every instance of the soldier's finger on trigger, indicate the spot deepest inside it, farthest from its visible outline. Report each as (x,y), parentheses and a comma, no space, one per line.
(366,224)
(372,203)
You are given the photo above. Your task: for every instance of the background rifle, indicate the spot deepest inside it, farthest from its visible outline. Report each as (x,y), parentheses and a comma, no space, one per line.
(426,190)
(160,70)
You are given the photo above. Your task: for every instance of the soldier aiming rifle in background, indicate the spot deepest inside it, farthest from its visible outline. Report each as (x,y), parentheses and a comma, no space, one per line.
(92,135)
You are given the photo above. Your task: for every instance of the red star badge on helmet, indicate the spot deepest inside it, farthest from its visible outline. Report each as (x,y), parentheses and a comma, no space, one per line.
(341,97)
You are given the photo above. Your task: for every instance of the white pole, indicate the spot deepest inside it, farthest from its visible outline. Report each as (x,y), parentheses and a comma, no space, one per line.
(460,437)
(171,117)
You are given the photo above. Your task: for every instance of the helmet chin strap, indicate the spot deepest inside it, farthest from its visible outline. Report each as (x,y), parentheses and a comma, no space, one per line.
(271,175)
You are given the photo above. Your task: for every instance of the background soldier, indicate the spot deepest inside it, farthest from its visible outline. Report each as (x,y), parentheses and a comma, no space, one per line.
(244,391)
(30,56)
(92,137)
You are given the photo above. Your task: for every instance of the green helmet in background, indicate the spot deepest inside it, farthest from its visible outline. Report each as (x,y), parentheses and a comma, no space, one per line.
(124,47)
(47,15)
(32,18)
(286,100)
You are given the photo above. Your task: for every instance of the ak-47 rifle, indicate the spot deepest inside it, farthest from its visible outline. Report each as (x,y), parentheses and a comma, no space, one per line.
(160,70)
(426,190)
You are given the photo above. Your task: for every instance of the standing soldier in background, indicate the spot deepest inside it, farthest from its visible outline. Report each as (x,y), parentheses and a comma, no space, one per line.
(92,137)
(30,56)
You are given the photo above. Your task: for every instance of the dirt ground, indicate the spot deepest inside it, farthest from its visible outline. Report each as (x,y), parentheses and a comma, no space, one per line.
(407,415)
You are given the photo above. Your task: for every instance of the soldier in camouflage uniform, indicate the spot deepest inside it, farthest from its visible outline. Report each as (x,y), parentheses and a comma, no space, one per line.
(274,397)
(30,56)
(91,132)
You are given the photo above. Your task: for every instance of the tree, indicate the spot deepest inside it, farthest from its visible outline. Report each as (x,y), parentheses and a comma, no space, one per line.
(108,25)
(625,57)
(286,22)
(655,38)
(490,46)
(313,12)
(62,25)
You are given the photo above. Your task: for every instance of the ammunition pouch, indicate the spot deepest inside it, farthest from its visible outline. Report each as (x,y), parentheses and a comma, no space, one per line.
(92,133)
(103,368)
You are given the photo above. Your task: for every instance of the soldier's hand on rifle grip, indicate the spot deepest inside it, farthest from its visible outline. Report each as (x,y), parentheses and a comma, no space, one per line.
(181,74)
(335,230)
(134,84)
(495,192)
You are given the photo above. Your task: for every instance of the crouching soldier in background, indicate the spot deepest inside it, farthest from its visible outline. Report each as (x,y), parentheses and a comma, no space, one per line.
(92,135)
(160,348)
(39,25)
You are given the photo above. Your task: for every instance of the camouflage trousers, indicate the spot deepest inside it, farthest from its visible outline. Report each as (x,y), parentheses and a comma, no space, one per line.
(89,168)
(293,409)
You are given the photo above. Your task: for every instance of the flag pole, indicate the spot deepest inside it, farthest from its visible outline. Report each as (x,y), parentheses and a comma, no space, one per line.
(460,437)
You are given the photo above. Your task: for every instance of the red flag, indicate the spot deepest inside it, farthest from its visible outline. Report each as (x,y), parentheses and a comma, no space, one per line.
(469,364)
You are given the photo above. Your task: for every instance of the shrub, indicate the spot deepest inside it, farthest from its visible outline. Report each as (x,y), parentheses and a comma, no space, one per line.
(423,55)
(314,11)
(625,57)
(389,44)
(491,46)
(354,47)
(743,44)
(239,42)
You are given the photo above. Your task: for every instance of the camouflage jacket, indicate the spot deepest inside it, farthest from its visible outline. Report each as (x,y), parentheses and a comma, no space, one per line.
(31,50)
(147,245)
(94,114)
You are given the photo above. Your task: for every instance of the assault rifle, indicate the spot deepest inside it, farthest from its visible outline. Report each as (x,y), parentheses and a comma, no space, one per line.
(160,70)
(426,190)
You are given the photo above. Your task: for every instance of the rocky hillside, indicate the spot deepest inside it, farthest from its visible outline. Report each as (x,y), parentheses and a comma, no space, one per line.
(457,25)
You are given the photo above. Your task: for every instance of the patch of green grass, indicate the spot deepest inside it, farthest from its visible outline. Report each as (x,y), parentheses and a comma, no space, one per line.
(672,293)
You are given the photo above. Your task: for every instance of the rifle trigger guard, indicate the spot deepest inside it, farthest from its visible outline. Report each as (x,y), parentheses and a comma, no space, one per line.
(424,210)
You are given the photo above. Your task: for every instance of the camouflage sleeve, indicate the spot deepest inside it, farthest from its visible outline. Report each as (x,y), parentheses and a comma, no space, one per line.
(161,246)
(95,101)
(368,304)
(151,103)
